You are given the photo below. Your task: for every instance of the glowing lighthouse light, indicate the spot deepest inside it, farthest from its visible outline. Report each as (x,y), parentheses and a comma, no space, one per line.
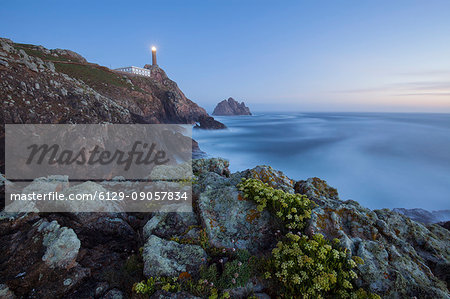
(154,56)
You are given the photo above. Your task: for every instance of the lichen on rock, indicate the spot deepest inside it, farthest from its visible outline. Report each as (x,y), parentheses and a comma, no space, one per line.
(169,258)
(273,178)
(402,258)
(62,244)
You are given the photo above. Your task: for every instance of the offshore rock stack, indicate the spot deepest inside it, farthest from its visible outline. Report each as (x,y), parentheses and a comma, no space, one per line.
(231,107)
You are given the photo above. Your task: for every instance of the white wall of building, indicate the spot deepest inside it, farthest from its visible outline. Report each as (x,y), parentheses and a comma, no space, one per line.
(135,70)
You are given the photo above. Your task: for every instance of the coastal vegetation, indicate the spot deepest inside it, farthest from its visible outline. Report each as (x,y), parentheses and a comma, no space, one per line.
(302,266)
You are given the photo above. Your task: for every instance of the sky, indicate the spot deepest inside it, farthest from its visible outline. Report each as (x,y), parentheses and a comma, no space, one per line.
(370,56)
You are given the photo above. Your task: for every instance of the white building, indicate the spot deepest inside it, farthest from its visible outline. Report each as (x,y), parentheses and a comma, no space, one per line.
(135,70)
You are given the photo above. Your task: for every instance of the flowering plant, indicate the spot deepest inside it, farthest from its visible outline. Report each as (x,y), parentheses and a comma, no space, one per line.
(293,209)
(313,267)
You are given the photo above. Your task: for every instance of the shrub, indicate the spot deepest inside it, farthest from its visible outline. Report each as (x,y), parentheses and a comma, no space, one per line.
(312,267)
(134,265)
(303,267)
(145,287)
(153,284)
(236,272)
(293,209)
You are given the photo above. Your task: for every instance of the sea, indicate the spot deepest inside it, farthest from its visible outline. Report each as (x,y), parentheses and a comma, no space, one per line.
(381,160)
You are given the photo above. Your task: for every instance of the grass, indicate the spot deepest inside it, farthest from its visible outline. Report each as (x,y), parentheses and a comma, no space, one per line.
(91,75)
(31,50)
(94,75)
(88,73)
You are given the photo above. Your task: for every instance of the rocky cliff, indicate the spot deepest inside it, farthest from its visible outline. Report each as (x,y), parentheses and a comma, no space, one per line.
(233,246)
(231,107)
(39,85)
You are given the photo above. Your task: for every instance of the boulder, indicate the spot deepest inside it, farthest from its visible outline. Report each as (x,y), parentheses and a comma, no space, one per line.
(52,183)
(169,224)
(39,258)
(274,178)
(172,172)
(216,165)
(402,258)
(42,185)
(6,293)
(90,188)
(231,221)
(113,294)
(61,243)
(169,258)
(209,123)
(316,189)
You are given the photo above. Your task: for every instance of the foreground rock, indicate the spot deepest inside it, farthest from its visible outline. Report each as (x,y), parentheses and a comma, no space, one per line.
(39,258)
(170,224)
(231,107)
(402,258)
(61,244)
(229,220)
(233,222)
(216,165)
(97,255)
(209,123)
(169,258)
(79,255)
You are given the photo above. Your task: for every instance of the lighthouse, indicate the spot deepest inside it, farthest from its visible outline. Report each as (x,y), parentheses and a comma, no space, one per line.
(146,71)
(154,56)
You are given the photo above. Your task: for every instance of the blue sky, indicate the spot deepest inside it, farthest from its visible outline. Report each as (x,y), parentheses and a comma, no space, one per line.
(275,55)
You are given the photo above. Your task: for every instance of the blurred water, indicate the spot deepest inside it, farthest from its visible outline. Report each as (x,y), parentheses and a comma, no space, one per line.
(382,160)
